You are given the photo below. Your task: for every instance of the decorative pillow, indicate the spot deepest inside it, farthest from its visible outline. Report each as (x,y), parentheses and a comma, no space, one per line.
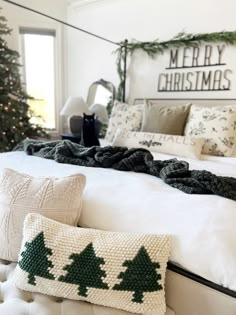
(189,147)
(121,270)
(56,198)
(217,124)
(164,118)
(128,117)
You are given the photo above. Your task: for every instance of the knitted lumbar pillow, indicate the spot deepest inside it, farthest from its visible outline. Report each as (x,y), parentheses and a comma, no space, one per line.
(120,270)
(57,198)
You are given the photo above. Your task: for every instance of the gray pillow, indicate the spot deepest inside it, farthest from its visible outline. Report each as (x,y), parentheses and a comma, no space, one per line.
(167,119)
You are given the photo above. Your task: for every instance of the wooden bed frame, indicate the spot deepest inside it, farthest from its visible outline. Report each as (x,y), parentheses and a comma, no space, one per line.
(186,292)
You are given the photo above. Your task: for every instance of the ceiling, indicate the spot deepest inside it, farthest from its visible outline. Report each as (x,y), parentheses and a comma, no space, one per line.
(83,3)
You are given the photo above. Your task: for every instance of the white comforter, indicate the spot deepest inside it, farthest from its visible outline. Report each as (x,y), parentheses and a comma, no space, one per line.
(203,227)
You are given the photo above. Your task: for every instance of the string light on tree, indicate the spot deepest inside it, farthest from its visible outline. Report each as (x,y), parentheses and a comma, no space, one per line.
(15,116)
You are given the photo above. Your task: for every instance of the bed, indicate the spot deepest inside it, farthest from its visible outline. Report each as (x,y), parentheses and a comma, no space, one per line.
(201,276)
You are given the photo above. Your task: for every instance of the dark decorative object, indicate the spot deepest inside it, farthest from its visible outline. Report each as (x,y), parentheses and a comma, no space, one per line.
(71,137)
(76,126)
(88,132)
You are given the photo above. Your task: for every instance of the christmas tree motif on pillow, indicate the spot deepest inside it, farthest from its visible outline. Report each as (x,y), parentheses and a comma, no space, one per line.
(35,259)
(140,276)
(85,271)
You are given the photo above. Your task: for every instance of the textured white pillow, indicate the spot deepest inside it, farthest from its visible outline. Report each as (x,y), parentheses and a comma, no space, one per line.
(120,270)
(217,125)
(189,147)
(56,198)
(124,116)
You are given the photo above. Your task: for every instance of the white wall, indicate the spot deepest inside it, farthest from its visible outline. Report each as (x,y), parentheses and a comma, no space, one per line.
(90,59)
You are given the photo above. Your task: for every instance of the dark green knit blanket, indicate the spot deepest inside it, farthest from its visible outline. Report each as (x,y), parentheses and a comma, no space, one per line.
(173,172)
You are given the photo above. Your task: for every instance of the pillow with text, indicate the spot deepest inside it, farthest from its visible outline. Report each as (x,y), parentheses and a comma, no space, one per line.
(189,147)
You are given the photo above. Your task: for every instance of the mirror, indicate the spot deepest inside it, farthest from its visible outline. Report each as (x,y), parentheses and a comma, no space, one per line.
(101,92)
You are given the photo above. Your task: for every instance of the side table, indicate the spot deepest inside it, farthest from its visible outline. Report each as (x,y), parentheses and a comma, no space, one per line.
(71,137)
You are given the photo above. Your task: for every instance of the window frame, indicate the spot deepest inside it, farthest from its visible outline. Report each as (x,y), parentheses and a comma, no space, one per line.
(56,31)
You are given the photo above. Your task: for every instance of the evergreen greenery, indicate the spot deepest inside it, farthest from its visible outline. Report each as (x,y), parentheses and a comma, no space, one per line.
(35,261)
(15,114)
(156,47)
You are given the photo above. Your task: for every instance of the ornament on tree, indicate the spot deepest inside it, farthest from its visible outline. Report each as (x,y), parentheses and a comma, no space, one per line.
(13,99)
(140,276)
(85,271)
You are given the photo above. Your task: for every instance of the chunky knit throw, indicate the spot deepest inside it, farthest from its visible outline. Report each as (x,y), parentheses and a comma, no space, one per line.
(173,172)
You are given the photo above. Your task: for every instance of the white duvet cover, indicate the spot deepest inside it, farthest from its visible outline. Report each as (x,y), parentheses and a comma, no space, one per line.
(203,227)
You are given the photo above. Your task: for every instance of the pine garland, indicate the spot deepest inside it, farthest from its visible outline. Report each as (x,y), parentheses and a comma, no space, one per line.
(156,47)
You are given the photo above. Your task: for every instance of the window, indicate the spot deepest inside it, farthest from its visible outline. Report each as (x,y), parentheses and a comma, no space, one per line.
(39,74)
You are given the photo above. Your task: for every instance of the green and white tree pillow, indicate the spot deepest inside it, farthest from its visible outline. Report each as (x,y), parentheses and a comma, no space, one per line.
(120,270)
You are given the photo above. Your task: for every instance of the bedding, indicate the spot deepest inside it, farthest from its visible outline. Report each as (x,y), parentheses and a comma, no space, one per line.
(56,198)
(217,124)
(202,226)
(157,142)
(172,171)
(164,119)
(124,116)
(120,270)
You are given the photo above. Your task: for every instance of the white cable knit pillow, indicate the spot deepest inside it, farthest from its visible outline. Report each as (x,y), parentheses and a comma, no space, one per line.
(124,116)
(56,198)
(189,147)
(120,270)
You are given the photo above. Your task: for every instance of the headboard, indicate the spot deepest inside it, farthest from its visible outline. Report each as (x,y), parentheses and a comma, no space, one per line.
(180,101)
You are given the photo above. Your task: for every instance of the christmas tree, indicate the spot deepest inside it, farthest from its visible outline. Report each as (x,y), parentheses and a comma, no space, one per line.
(85,271)
(35,261)
(15,114)
(140,276)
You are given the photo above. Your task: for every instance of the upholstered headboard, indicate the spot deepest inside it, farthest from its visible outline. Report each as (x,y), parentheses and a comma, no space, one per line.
(180,101)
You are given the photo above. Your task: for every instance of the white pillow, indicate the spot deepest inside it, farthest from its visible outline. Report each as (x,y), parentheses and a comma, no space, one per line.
(56,198)
(189,147)
(121,270)
(217,125)
(127,117)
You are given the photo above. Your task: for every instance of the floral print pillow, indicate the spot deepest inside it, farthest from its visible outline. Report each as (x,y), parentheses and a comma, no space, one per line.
(126,117)
(217,124)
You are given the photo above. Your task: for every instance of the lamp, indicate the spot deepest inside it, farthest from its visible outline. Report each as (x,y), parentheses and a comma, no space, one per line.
(74,109)
(100,112)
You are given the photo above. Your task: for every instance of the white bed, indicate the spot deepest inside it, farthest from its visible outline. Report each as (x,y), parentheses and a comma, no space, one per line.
(202,227)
